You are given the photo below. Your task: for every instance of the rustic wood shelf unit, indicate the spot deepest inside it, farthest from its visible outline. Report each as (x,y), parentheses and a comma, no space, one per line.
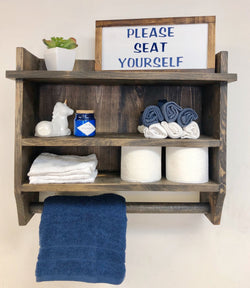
(118,99)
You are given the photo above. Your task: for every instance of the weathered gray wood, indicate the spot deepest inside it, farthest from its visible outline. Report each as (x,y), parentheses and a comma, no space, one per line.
(150,207)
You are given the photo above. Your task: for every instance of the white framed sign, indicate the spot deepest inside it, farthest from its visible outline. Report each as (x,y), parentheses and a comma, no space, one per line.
(184,43)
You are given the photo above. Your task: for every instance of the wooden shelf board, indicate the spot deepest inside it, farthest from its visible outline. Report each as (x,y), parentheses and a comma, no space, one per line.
(113,183)
(121,77)
(115,139)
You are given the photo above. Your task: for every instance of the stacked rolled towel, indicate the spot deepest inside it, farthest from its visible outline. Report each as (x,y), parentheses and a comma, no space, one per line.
(170,111)
(52,168)
(173,129)
(83,238)
(150,123)
(151,115)
(155,131)
(191,131)
(175,121)
(186,116)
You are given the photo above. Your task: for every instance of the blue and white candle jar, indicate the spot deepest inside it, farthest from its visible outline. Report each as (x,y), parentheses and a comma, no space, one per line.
(84,123)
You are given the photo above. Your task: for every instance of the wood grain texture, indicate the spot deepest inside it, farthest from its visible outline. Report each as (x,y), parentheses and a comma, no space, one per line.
(149,207)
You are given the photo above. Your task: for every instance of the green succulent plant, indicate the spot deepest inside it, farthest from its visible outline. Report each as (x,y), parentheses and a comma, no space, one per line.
(60,42)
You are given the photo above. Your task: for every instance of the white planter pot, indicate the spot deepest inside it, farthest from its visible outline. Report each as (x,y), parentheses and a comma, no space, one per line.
(60,59)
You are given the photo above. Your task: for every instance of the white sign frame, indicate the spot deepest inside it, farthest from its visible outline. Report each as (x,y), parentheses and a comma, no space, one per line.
(172,44)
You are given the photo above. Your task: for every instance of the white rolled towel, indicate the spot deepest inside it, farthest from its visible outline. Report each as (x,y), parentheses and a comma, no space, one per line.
(187,164)
(173,129)
(155,131)
(52,164)
(141,164)
(141,128)
(191,131)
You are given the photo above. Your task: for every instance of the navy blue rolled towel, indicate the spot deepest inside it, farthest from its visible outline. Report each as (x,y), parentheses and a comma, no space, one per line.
(140,119)
(151,115)
(170,111)
(161,102)
(83,238)
(186,116)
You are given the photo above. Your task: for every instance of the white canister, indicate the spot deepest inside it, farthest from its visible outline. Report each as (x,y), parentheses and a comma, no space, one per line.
(187,164)
(140,164)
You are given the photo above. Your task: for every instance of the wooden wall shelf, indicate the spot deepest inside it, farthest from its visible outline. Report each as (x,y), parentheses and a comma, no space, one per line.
(118,98)
(114,139)
(123,77)
(112,182)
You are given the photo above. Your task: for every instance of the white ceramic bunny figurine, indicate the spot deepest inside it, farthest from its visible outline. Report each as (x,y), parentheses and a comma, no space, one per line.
(59,124)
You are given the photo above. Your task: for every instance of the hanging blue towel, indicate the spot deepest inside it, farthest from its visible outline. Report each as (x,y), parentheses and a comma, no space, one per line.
(186,116)
(83,238)
(151,115)
(170,111)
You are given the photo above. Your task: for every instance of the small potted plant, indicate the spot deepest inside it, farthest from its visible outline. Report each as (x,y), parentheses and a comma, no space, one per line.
(60,54)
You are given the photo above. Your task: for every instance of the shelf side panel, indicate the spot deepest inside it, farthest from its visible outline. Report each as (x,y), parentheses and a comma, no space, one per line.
(217,108)
(25,60)
(22,201)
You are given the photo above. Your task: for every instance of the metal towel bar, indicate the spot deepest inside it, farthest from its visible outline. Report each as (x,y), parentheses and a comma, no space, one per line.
(149,207)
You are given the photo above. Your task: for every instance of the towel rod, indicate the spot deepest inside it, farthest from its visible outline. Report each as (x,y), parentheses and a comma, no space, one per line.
(149,207)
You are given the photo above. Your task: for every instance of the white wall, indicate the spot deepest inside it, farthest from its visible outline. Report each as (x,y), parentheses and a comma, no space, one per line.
(162,250)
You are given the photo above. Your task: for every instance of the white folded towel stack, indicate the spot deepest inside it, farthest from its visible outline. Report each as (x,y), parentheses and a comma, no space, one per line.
(52,168)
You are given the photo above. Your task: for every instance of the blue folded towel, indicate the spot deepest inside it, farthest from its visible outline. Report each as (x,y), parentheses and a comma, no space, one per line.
(170,111)
(151,115)
(83,238)
(186,116)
